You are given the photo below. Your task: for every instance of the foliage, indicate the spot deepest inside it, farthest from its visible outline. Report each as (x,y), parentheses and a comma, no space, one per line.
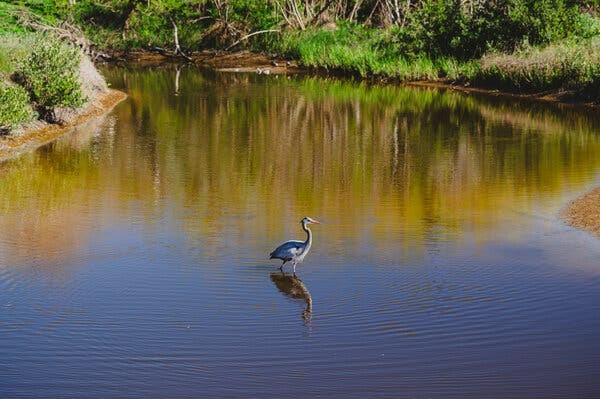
(50,75)
(366,52)
(463,29)
(446,28)
(14,107)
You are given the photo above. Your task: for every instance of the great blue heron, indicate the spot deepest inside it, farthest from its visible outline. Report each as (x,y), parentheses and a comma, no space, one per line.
(293,250)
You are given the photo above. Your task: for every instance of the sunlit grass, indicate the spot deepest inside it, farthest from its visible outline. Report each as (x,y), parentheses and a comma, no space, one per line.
(363,52)
(572,64)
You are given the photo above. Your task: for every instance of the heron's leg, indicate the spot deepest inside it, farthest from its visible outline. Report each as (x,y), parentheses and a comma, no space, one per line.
(294,263)
(281,267)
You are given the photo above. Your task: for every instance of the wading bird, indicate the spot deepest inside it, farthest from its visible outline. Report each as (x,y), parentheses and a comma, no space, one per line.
(293,250)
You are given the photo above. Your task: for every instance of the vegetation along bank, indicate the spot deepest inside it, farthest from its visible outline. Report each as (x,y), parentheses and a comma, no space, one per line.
(524,46)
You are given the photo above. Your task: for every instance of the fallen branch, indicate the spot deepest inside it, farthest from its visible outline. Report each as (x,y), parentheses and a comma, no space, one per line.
(251,34)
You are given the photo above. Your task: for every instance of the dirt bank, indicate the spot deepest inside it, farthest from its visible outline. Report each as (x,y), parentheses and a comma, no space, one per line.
(40,133)
(242,61)
(584,212)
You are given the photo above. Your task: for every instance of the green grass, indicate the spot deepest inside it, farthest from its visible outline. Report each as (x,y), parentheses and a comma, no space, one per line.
(568,65)
(355,50)
(572,64)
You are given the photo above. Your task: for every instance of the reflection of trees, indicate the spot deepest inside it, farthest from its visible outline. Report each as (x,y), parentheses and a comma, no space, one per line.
(249,145)
(46,195)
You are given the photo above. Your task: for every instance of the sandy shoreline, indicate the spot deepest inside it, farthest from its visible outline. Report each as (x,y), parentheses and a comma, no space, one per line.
(584,212)
(41,133)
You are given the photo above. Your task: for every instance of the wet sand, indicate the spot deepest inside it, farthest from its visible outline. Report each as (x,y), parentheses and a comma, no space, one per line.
(40,133)
(584,212)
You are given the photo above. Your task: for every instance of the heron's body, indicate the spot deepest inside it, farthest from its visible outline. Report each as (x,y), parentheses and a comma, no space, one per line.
(294,250)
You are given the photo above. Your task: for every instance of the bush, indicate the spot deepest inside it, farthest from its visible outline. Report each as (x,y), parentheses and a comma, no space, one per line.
(587,26)
(50,75)
(447,28)
(14,107)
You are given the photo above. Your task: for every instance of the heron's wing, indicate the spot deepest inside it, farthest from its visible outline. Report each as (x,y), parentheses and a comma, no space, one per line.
(288,250)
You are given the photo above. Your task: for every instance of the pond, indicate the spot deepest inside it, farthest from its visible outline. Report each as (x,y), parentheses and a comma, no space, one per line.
(134,251)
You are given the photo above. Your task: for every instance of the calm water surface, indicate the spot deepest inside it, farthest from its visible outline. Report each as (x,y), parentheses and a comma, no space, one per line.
(133,252)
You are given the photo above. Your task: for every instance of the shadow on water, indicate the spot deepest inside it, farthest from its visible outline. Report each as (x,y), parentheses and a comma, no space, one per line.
(293,287)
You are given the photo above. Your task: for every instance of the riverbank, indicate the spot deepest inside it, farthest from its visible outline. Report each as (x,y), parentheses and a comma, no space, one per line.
(238,61)
(584,212)
(48,87)
(248,62)
(39,133)
(530,48)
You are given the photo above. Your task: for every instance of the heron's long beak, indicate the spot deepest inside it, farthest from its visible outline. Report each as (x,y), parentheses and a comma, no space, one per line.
(315,221)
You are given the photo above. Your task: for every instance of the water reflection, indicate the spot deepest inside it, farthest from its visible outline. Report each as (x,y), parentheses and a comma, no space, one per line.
(128,250)
(418,167)
(292,287)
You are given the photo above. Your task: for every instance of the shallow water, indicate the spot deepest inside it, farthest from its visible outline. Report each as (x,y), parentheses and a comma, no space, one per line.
(133,252)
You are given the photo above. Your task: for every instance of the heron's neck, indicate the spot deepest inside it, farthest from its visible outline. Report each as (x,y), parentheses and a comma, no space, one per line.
(308,241)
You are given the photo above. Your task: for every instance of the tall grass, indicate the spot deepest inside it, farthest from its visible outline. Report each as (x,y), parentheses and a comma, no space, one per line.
(568,65)
(355,50)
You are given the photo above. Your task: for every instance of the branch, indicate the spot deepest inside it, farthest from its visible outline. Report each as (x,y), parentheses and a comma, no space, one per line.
(251,34)
(176,37)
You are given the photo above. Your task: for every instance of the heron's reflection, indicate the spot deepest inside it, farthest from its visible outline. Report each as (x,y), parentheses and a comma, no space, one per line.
(293,287)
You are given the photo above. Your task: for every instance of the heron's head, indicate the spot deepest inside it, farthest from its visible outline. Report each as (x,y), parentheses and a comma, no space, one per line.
(308,220)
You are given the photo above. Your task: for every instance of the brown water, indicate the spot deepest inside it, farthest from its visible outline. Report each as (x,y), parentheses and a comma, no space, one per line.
(133,252)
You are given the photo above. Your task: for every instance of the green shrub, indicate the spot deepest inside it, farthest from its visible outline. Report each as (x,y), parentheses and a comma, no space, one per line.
(587,26)
(50,75)
(14,107)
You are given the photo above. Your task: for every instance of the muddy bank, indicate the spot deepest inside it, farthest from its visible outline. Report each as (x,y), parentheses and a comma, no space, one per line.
(243,61)
(562,97)
(40,133)
(584,212)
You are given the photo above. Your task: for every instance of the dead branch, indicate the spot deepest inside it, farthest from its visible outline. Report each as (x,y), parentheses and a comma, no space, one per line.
(178,49)
(64,31)
(251,34)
